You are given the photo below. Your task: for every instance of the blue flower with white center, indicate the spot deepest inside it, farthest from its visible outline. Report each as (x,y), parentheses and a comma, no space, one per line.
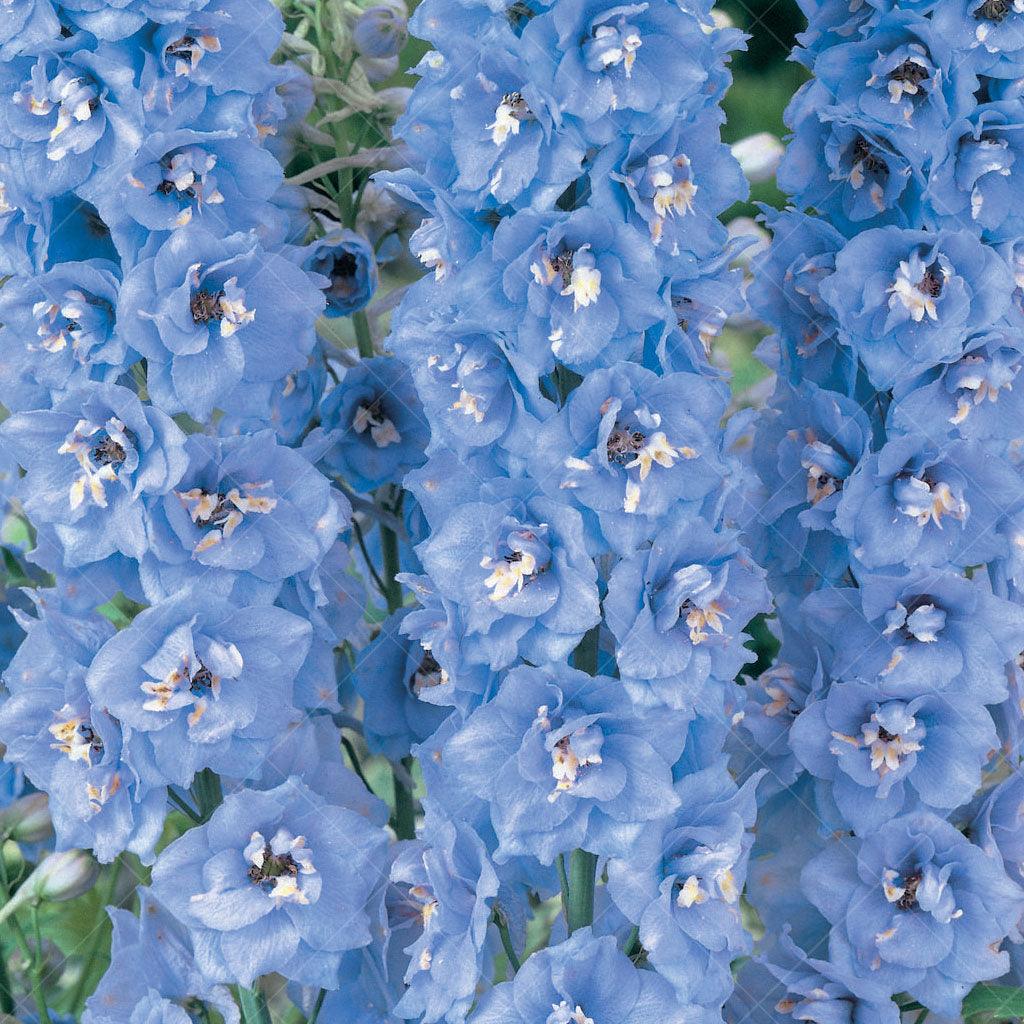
(786,292)
(179,177)
(391,675)
(448,885)
(566,760)
(916,503)
(884,756)
(200,684)
(70,747)
(59,332)
(989,32)
(275,881)
(906,300)
(225,46)
(373,430)
(589,284)
(677,611)
(347,261)
(582,981)
(153,977)
(519,570)
(683,890)
(626,68)
(981,174)
(467,382)
(484,130)
(211,312)
(919,631)
(848,166)
(904,75)
(90,462)
(628,446)
(677,185)
(806,447)
(918,909)
(69,111)
(243,505)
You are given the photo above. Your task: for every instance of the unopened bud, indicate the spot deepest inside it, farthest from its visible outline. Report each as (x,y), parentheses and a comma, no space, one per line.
(27,819)
(378,69)
(380,31)
(61,876)
(759,156)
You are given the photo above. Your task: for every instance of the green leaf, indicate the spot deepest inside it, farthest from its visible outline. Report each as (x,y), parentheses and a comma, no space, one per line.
(1002,1002)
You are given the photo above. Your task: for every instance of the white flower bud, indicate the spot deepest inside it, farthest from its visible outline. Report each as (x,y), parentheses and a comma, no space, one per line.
(27,819)
(61,876)
(759,156)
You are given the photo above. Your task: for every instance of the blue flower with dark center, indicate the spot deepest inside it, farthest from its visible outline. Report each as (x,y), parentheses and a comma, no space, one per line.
(347,261)
(280,881)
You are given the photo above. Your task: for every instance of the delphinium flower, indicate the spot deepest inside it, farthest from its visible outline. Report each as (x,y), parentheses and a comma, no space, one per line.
(891,501)
(171,230)
(583,588)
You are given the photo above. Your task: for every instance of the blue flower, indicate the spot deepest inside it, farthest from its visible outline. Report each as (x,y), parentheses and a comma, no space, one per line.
(582,980)
(677,611)
(520,572)
(243,505)
(990,34)
(997,826)
(916,909)
(152,972)
(565,760)
(628,446)
(390,676)
(373,429)
(68,112)
(200,684)
(906,300)
(684,889)
(28,25)
(586,283)
(919,631)
(347,261)
(883,756)
(210,312)
(380,30)
(71,748)
(274,881)
(916,503)
(89,463)
(449,885)
(59,332)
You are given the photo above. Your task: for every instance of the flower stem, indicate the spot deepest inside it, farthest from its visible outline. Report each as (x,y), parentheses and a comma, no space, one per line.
(207,790)
(37,968)
(33,963)
(404,819)
(501,922)
(579,906)
(254,1006)
(316,1007)
(106,899)
(363,337)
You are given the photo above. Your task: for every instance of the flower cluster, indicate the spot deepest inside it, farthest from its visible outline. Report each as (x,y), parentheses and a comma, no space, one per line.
(582,586)
(891,495)
(186,436)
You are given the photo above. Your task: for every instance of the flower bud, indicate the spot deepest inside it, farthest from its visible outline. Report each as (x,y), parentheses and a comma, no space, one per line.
(27,819)
(346,259)
(61,876)
(759,156)
(380,31)
(378,69)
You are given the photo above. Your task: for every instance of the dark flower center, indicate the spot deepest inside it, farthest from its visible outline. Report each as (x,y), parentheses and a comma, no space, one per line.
(909,898)
(182,48)
(428,674)
(205,306)
(86,731)
(993,10)
(202,681)
(562,265)
(518,14)
(910,71)
(623,444)
(345,265)
(931,283)
(274,865)
(885,735)
(865,155)
(108,453)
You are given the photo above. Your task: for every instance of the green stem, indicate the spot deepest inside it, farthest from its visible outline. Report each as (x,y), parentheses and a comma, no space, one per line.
(563,880)
(404,819)
(254,1006)
(361,541)
(183,807)
(98,935)
(363,337)
(31,962)
(208,792)
(6,992)
(37,968)
(354,758)
(632,946)
(501,922)
(316,1007)
(579,908)
(921,1017)
(389,550)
